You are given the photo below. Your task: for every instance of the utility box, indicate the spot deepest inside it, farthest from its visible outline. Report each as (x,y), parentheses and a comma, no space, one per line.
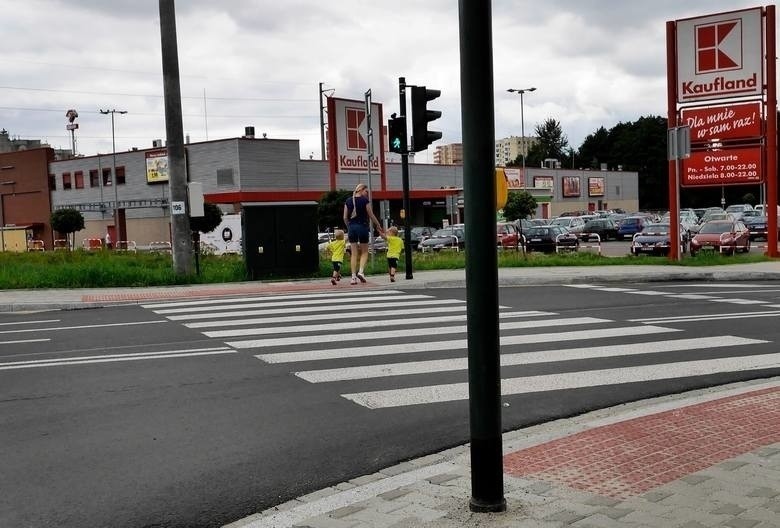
(280,239)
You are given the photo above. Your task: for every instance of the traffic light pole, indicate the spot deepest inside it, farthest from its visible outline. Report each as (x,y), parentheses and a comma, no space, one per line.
(405,183)
(477,114)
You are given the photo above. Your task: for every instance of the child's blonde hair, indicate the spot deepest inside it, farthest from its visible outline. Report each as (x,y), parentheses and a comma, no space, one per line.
(358,189)
(339,234)
(392,230)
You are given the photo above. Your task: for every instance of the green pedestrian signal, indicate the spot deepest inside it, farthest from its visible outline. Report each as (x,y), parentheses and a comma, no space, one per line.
(396,130)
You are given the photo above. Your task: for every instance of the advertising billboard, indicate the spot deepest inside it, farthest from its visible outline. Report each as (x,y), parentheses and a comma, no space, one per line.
(718,123)
(157,166)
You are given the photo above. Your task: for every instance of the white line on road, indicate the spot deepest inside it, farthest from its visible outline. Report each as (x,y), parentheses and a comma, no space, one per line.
(567,380)
(46,321)
(19,341)
(348,325)
(704,317)
(81,327)
(313,309)
(341,315)
(455,344)
(524,358)
(260,298)
(332,301)
(82,360)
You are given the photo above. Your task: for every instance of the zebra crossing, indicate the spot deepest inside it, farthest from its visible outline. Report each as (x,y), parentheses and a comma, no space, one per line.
(388,336)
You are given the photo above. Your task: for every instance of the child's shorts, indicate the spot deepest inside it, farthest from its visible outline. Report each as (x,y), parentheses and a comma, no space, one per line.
(392,262)
(336,266)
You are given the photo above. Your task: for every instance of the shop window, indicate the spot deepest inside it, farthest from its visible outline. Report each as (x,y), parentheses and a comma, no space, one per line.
(78,177)
(224,177)
(106,177)
(66,180)
(52,182)
(94,179)
(120,175)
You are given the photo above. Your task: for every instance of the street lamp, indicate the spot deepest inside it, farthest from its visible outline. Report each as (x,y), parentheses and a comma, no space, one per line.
(2,213)
(113,177)
(521,91)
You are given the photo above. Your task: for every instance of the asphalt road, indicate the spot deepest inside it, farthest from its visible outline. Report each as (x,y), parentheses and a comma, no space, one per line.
(196,414)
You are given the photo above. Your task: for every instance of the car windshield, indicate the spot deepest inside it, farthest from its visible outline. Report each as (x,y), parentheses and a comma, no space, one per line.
(713,228)
(538,231)
(656,228)
(562,221)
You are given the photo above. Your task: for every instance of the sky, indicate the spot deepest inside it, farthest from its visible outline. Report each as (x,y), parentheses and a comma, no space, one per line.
(260,63)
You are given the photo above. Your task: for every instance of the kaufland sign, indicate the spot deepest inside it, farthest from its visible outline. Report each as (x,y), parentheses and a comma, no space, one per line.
(720,56)
(349,136)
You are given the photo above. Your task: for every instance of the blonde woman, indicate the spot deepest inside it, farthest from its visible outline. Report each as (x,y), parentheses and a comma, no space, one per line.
(358,217)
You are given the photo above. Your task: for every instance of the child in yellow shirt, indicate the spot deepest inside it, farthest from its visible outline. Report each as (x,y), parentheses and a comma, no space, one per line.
(337,248)
(394,247)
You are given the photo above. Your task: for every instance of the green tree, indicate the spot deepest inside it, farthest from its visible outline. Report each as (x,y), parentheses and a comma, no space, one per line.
(67,221)
(330,209)
(519,204)
(551,143)
(209,221)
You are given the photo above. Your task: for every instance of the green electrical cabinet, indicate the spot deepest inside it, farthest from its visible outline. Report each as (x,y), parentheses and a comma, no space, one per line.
(280,239)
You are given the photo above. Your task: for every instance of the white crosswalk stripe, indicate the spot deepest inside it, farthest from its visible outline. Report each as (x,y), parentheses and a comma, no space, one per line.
(407,331)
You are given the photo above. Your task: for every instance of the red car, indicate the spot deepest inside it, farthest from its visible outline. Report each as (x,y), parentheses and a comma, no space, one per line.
(507,235)
(725,236)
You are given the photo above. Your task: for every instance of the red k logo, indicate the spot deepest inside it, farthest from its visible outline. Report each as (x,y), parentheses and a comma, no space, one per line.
(719,46)
(355,136)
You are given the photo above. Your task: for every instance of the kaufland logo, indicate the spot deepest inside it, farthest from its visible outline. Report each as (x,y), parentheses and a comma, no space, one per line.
(355,135)
(719,46)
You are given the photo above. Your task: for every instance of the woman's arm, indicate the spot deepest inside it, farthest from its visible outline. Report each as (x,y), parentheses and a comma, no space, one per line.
(371,215)
(346,215)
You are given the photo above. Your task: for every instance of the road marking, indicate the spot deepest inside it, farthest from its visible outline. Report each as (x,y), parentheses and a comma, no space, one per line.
(80,327)
(83,360)
(261,298)
(315,508)
(313,309)
(410,348)
(567,380)
(19,341)
(692,296)
(740,301)
(348,325)
(523,358)
(46,321)
(704,317)
(648,292)
(343,314)
(332,301)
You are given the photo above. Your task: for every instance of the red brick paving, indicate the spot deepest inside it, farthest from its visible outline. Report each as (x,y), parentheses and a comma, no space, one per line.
(629,458)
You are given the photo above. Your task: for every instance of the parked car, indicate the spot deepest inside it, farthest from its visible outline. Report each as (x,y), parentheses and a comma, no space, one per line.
(573,224)
(507,235)
(418,234)
(736,210)
(756,224)
(631,225)
(655,239)
(546,239)
(450,237)
(605,228)
(725,236)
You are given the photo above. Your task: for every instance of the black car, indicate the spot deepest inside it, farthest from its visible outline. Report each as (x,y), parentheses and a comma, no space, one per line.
(548,238)
(605,228)
(418,234)
(654,239)
(757,225)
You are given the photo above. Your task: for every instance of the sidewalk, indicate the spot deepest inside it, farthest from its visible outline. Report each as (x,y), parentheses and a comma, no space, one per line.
(706,458)
(52,299)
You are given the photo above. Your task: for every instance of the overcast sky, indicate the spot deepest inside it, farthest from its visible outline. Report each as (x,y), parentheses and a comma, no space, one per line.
(259,62)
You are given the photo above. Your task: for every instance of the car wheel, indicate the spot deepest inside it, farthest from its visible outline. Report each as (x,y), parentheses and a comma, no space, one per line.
(747,246)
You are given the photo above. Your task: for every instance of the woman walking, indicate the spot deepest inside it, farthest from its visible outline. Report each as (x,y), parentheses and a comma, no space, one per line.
(358,217)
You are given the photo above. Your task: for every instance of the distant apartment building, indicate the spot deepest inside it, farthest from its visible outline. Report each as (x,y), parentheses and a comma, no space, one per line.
(508,149)
(451,154)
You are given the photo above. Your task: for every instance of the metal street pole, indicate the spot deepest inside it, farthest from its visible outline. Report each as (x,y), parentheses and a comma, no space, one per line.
(405,184)
(522,127)
(479,144)
(113,176)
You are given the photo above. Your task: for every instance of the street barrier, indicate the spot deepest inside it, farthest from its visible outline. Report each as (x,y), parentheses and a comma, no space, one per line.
(126,245)
(35,245)
(588,238)
(561,246)
(92,244)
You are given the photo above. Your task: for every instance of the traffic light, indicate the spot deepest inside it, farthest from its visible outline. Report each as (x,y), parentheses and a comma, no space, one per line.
(421,136)
(396,130)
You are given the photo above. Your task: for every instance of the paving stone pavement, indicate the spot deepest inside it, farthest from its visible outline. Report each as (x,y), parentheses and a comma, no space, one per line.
(701,459)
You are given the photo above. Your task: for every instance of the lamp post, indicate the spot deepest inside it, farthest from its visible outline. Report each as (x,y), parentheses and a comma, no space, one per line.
(113,176)
(2,214)
(521,91)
